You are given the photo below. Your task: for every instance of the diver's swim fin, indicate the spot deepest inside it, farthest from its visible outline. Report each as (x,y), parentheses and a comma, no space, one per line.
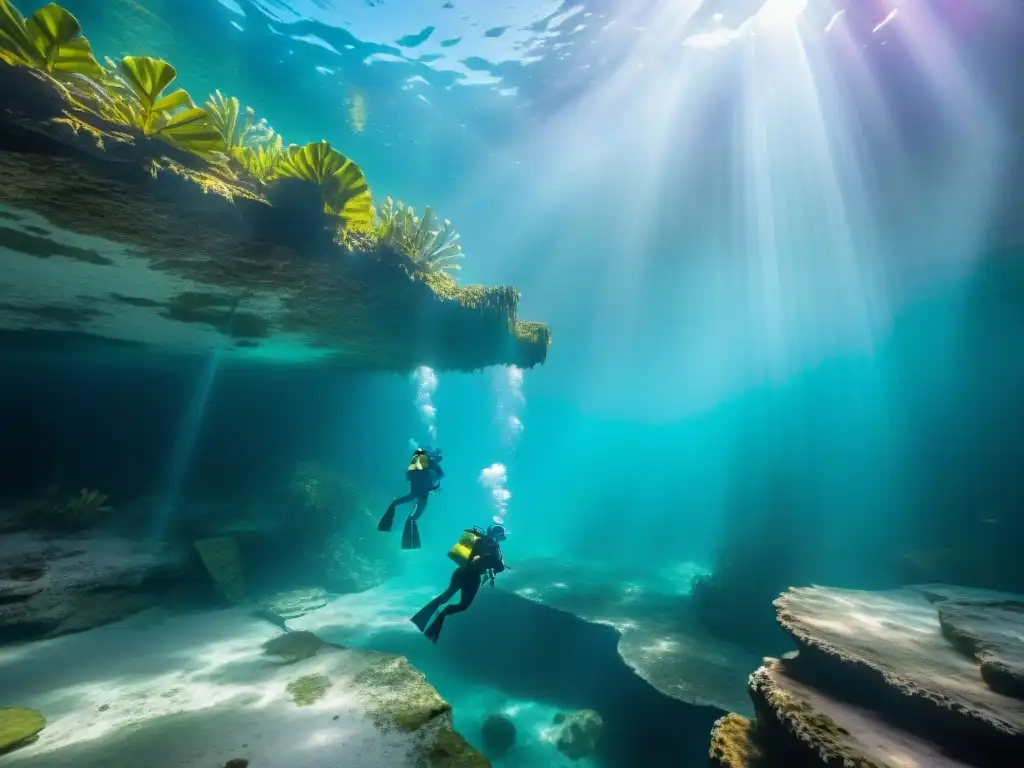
(410,535)
(387,520)
(423,616)
(434,630)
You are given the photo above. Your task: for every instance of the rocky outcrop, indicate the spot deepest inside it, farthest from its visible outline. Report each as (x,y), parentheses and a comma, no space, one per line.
(53,586)
(887,680)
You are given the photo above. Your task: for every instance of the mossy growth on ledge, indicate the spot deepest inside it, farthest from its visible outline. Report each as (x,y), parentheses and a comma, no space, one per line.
(276,242)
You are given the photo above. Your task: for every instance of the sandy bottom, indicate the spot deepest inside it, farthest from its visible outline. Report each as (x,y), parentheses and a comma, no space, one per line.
(189,691)
(355,620)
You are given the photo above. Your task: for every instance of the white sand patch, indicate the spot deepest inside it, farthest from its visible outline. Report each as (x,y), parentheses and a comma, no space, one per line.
(355,619)
(191,690)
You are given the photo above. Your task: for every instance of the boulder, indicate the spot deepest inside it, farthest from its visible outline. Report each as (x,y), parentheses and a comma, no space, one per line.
(498,733)
(579,733)
(53,586)
(198,690)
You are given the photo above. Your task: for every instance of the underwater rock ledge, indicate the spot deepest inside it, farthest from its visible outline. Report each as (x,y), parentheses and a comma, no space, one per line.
(878,682)
(128,239)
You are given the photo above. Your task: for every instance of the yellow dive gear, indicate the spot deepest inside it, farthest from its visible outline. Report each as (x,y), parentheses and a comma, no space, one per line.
(463,547)
(420,461)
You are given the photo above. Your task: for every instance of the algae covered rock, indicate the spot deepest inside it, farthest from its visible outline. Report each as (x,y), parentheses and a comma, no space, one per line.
(450,750)
(18,727)
(400,699)
(733,744)
(579,734)
(400,695)
(309,689)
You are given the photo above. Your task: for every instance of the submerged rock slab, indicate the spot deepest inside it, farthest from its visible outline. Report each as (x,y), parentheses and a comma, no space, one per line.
(992,632)
(55,585)
(881,681)
(812,728)
(106,234)
(659,637)
(891,646)
(194,691)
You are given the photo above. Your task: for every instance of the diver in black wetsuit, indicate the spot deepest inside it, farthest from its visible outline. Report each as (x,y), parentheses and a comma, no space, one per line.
(479,561)
(424,475)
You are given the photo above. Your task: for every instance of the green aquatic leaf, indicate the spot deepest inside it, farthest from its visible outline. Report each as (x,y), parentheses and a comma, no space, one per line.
(15,45)
(348,195)
(261,162)
(50,40)
(345,191)
(433,248)
(136,86)
(147,79)
(238,127)
(191,129)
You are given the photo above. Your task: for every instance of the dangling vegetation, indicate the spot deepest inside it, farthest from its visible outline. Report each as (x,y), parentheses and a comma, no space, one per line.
(432,247)
(136,92)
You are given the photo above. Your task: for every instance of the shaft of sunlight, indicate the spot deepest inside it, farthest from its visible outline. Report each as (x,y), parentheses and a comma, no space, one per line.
(188,434)
(806,218)
(771,192)
(184,445)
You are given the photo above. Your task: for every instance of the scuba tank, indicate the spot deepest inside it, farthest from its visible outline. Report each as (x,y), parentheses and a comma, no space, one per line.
(419,462)
(464,547)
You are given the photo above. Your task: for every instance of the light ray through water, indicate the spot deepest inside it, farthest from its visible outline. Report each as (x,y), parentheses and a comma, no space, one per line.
(188,434)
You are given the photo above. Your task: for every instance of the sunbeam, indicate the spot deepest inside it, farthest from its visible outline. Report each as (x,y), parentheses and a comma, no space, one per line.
(759,159)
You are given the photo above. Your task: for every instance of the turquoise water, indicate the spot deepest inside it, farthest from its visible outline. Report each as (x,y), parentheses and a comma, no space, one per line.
(779,248)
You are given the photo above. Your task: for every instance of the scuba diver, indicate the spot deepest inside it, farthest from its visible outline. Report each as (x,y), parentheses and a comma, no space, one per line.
(478,554)
(424,475)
